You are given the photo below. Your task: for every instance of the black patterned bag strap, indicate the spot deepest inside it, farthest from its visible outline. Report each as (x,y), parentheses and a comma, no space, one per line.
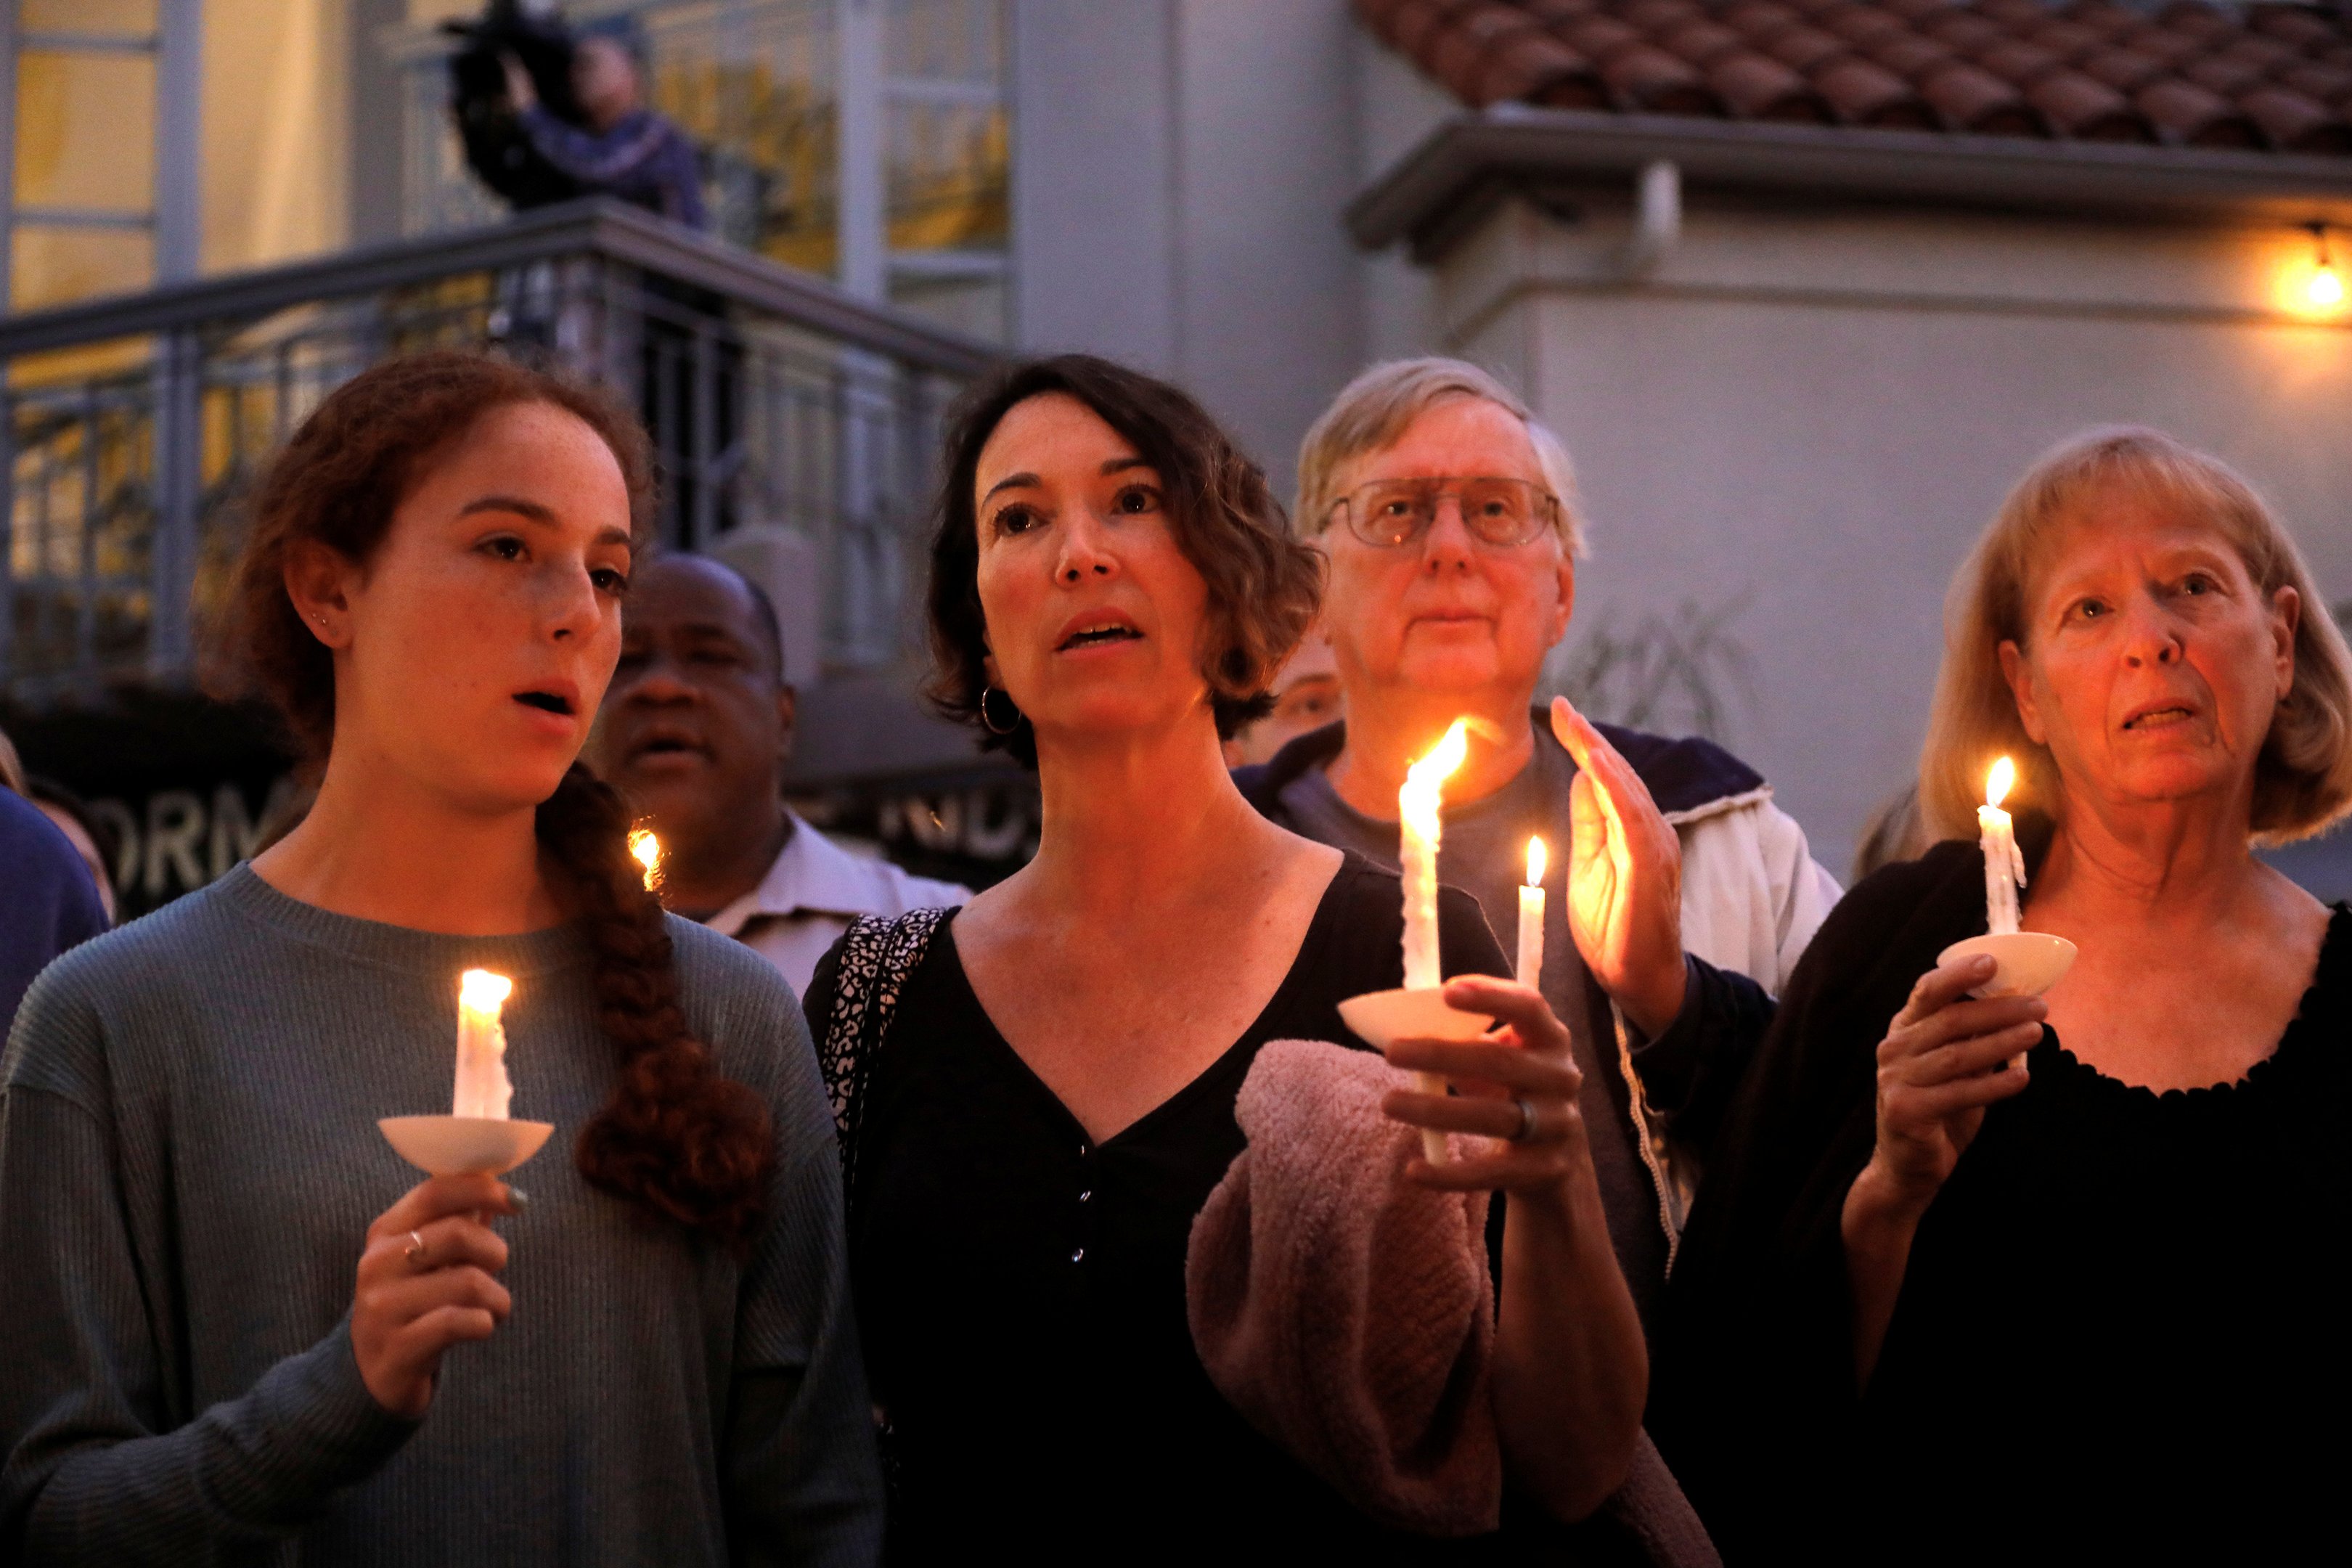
(877,957)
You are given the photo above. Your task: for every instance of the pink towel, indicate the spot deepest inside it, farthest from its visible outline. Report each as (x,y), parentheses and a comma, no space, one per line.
(1346,1312)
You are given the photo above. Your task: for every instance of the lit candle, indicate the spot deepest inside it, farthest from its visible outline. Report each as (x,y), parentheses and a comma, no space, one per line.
(646,848)
(482,1087)
(1531,908)
(1418,805)
(2004,868)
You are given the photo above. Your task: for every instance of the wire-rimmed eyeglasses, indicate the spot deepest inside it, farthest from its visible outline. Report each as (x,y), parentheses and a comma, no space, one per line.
(1497,511)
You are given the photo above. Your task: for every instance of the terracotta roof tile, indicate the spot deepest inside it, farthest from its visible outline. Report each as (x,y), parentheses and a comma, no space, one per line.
(2326,83)
(1536,68)
(2102,16)
(1753,86)
(1909,56)
(1861,25)
(2197,19)
(2270,74)
(2184,112)
(1861,93)
(2126,70)
(1975,100)
(1806,48)
(2014,60)
(2292,24)
(2228,78)
(1648,80)
(2086,110)
(2298,122)
(1965,30)
(1702,43)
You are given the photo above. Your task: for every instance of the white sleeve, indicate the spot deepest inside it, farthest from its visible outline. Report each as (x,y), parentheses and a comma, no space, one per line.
(1752,893)
(1804,892)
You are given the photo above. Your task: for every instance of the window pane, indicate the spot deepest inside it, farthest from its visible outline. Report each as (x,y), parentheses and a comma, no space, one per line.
(751,81)
(132,17)
(50,266)
(86,131)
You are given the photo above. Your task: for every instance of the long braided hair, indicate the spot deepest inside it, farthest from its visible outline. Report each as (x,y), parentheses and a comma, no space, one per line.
(677,1136)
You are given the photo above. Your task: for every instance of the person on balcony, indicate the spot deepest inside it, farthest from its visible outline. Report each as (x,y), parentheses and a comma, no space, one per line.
(1679,897)
(627,150)
(696,730)
(237,1332)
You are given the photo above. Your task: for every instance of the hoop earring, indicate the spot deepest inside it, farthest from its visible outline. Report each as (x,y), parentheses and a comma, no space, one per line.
(989,719)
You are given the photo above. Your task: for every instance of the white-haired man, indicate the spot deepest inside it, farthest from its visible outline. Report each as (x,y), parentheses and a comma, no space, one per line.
(1680,897)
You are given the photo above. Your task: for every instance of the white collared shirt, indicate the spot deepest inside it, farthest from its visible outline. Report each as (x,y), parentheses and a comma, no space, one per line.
(812,892)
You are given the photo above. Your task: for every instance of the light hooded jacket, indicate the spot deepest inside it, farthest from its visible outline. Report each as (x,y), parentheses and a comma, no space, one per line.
(1752,896)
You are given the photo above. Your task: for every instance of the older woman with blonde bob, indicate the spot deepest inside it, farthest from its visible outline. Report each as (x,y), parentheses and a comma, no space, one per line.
(1973,1272)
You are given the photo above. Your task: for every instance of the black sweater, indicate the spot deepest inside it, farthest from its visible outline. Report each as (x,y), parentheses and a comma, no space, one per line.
(2114,1337)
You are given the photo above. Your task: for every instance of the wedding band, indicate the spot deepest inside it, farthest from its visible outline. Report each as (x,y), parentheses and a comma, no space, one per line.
(1526,1119)
(415,1250)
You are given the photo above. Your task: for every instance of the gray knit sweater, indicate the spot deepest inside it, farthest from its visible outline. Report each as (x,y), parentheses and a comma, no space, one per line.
(189,1162)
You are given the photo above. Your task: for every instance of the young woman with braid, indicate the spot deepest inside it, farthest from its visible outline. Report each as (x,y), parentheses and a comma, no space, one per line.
(235,1337)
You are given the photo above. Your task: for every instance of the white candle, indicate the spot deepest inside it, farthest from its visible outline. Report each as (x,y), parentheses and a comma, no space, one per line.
(1529,969)
(2004,868)
(1418,805)
(483,1090)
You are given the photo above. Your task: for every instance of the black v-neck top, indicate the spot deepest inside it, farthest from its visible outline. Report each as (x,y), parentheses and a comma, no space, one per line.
(1021,1288)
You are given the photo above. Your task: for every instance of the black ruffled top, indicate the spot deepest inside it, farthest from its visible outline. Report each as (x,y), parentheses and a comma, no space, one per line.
(2120,1337)
(2122,1329)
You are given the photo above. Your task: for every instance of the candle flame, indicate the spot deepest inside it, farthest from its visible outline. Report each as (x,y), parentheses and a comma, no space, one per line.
(483,991)
(647,850)
(1425,781)
(1537,861)
(2004,773)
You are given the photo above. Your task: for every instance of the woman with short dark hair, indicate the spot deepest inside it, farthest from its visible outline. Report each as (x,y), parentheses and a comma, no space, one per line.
(242,1330)
(1974,1275)
(1053,1102)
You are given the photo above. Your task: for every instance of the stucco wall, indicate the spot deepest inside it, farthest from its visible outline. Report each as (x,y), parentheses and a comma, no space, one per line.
(1820,409)
(1180,168)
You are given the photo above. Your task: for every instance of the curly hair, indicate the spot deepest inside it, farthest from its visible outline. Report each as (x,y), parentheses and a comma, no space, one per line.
(677,1136)
(1263,585)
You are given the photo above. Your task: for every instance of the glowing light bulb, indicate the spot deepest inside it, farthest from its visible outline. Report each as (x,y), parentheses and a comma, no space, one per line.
(2325,289)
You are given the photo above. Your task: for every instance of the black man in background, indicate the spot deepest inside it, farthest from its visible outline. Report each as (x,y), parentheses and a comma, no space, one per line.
(696,728)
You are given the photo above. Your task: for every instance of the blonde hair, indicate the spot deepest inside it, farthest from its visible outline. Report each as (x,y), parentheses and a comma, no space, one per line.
(2303,779)
(1374,410)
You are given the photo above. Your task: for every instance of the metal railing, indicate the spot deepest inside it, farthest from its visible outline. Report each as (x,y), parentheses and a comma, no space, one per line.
(133,427)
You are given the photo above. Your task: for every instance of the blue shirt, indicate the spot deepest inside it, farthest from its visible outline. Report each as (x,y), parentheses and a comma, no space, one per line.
(48,903)
(645,159)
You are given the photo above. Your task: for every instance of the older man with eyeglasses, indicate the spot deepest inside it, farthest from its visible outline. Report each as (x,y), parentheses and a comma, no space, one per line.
(1679,896)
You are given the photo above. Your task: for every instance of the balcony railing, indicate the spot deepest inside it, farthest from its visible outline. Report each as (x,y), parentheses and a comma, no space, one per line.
(136,427)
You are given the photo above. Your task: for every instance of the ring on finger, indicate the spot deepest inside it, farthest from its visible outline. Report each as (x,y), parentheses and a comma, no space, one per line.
(416,1253)
(1527,1126)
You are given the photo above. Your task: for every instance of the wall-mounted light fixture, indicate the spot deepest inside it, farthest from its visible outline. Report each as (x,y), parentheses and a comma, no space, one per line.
(2324,290)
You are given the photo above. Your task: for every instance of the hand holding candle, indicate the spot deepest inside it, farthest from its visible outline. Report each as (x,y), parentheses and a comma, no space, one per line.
(2026,963)
(1529,968)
